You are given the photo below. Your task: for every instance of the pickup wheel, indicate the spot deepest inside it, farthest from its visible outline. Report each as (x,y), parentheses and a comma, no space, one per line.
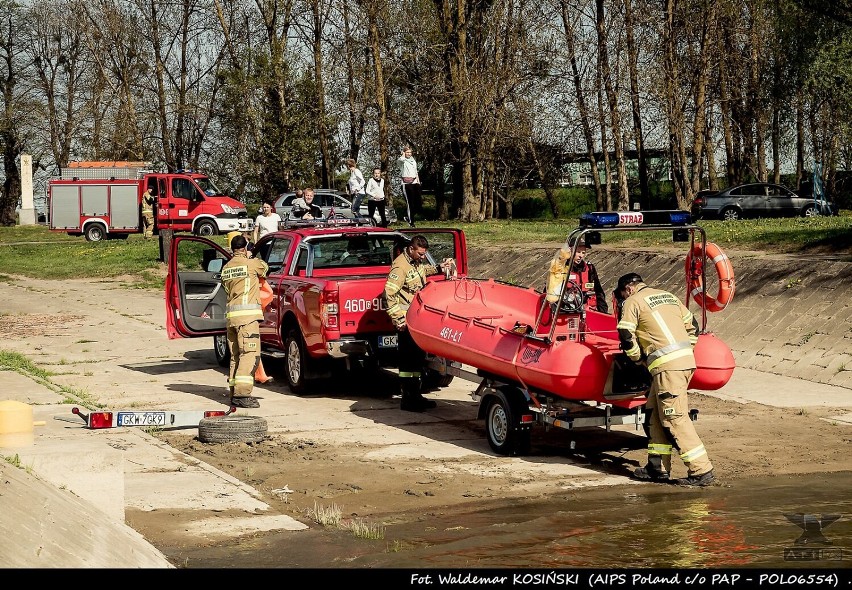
(501,427)
(222,350)
(95,232)
(297,361)
(206,229)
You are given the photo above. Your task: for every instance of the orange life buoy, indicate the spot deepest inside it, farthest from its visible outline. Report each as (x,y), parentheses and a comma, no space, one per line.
(695,284)
(265,293)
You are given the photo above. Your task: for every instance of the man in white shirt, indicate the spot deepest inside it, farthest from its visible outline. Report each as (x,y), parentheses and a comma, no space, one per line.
(266,222)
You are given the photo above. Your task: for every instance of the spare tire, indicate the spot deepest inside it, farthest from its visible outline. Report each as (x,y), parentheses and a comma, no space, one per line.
(232,428)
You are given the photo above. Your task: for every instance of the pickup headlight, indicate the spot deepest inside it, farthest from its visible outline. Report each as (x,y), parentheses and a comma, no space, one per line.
(228,209)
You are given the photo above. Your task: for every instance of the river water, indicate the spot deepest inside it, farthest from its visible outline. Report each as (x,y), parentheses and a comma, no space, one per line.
(739,525)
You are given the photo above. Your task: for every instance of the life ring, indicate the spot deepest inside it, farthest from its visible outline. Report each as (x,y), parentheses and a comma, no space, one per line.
(265,293)
(695,284)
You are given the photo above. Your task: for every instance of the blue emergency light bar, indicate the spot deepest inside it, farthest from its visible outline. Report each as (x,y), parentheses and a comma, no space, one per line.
(634,218)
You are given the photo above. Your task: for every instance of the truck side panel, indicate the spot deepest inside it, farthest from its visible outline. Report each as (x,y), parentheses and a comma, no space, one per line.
(64,207)
(124,207)
(95,200)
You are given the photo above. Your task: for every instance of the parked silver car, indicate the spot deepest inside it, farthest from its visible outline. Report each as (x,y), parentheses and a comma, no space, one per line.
(759,199)
(328,198)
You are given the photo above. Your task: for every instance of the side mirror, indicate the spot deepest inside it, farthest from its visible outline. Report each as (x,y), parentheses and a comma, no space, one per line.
(215,265)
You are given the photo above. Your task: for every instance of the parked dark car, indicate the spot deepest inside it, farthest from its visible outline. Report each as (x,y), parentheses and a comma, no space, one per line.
(758,199)
(326,198)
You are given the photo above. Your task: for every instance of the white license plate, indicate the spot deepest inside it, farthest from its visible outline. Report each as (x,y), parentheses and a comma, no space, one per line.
(388,341)
(141,419)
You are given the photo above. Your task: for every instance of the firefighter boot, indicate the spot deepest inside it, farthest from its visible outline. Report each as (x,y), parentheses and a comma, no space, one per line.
(705,479)
(412,400)
(653,471)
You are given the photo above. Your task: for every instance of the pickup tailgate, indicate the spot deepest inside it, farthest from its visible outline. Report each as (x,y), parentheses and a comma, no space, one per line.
(362,307)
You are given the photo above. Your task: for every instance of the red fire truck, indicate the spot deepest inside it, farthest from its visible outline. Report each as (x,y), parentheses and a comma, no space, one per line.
(102,200)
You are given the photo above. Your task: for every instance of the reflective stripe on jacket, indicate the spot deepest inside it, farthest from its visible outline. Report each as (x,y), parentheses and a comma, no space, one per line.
(657,326)
(241,280)
(405,279)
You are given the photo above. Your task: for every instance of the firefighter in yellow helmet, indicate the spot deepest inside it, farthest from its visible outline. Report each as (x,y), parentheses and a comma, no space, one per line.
(241,279)
(656,328)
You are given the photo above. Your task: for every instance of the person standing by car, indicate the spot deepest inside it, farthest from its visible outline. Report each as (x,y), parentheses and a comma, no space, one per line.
(406,277)
(355,185)
(376,196)
(241,278)
(265,223)
(657,329)
(304,207)
(411,189)
(148,201)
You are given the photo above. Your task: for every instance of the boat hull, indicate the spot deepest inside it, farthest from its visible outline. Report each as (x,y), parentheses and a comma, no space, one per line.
(482,323)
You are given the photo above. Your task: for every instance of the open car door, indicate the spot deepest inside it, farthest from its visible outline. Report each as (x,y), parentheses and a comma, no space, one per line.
(195,298)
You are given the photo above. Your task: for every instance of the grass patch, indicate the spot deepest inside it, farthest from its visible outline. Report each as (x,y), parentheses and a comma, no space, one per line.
(15,461)
(326,515)
(366,530)
(136,260)
(13,361)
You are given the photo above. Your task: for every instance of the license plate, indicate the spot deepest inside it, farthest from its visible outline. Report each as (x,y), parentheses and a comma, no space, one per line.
(388,341)
(141,418)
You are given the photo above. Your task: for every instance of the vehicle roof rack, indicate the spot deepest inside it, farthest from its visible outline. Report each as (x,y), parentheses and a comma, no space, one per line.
(336,220)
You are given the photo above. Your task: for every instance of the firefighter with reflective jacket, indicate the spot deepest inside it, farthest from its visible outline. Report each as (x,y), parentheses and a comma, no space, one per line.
(243,313)
(656,328)
(406,277)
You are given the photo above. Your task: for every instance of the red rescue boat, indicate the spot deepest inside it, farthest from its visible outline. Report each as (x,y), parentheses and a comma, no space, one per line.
(507,332)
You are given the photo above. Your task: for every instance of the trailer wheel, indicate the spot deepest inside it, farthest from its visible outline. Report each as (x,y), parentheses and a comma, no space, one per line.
(95,232)
(232,428)
(500,425)
(206,229)
(297,362)
(222,350)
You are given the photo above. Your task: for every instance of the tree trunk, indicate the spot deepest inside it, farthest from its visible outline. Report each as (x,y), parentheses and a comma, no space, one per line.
(583,110)
(632,61)
(612,103)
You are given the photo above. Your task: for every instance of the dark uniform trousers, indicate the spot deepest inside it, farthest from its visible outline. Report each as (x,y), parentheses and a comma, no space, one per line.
(411,360)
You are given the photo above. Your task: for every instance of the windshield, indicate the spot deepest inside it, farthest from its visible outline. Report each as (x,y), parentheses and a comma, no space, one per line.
(357,250)
(207,186)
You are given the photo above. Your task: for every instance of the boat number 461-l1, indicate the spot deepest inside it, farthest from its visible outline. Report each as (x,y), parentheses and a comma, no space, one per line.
(450,334)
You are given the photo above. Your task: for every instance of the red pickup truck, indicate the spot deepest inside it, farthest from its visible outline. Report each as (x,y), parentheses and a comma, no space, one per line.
(328,308)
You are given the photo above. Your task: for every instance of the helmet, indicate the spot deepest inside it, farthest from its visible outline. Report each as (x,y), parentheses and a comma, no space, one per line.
(231,235)
(628,279)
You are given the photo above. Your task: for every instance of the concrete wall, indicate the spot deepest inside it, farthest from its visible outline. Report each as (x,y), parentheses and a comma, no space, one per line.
(791,315)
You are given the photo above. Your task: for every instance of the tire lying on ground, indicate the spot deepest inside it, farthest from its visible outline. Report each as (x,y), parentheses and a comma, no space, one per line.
(232,429)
